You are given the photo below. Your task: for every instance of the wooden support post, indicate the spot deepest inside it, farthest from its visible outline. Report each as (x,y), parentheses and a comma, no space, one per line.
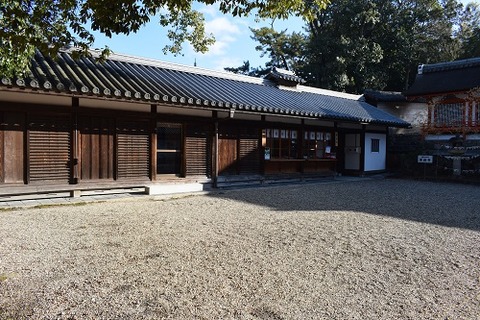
(115,149)
(362,149)
(26,151)
(263,144)
(75,143)
(75,193)
(301,145)
(336,146)
(153,142)
(215,150)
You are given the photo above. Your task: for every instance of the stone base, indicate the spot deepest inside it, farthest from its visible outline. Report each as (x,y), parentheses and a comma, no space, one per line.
(158,189)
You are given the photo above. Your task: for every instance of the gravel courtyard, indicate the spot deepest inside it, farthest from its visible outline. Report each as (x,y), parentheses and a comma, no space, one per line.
(377,249)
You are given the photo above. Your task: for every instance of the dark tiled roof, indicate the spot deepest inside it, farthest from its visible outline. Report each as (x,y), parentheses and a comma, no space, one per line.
(446,77)
(152,81)
(284,77)
(384,96)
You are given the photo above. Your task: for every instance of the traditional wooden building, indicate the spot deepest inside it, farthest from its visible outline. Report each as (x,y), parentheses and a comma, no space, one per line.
(450,122)
(78,124)
(451,91)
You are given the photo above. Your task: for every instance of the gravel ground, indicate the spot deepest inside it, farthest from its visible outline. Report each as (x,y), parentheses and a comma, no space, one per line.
(379,249)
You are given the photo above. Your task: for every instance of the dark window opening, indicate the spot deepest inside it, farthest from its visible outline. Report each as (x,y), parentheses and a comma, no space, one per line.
(375,145)
(169,148)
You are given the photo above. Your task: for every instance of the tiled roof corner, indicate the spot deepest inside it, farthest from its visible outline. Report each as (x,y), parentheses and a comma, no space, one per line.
(284,77)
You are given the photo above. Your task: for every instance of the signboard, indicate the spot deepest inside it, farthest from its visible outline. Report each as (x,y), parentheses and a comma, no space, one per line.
(424,159)
(267,154)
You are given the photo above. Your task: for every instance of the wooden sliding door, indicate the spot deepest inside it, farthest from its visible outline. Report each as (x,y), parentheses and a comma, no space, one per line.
(49,148)
(239,151)
(96,148)
(133,150)
(12,161)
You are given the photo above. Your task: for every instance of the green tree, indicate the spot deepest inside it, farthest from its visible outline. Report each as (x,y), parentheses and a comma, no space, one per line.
(469,31)
(345,52)
(48,25)
(416,32)
(286,51)
(247,70)
(378,44)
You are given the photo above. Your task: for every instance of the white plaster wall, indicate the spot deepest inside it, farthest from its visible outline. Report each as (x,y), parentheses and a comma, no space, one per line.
(413,112)
(375,160)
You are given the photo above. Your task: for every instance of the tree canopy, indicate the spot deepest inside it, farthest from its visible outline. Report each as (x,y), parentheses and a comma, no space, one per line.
(353,45)
(49,25)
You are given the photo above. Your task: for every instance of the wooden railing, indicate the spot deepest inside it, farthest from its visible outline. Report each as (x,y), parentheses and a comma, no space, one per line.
(463,128)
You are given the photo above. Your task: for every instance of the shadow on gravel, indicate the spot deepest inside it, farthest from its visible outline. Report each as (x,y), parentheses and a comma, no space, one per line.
(445,204)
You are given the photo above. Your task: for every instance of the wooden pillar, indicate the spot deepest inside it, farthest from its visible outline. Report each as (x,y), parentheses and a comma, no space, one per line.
(468,113)
(475,105)
(335,146)
(153,142)
(473,123)
(263,144)
(75,142)
(26,150)
(301,138)
(362,149)
(301,145)
(388,152)
(115,149)
(215,150)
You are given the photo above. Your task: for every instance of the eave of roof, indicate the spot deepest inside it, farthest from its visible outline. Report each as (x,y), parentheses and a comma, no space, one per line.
(384,96)
(446,77)
(152,81)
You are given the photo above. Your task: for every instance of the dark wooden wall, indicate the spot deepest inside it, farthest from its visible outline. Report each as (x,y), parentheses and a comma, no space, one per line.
(239,149)
(12,147)
(96,148)
(70,144)
(45,144)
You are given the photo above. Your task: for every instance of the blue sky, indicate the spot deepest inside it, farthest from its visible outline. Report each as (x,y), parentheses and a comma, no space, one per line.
(233,41)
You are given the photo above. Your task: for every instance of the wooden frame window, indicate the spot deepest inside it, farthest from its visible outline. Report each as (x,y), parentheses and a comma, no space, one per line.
(317,144)
(282,143)
(169,148)
(449,114)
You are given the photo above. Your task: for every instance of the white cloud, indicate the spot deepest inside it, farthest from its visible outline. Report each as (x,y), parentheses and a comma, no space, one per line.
(219,48)
(210,10)
(222,26)
(226,32)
